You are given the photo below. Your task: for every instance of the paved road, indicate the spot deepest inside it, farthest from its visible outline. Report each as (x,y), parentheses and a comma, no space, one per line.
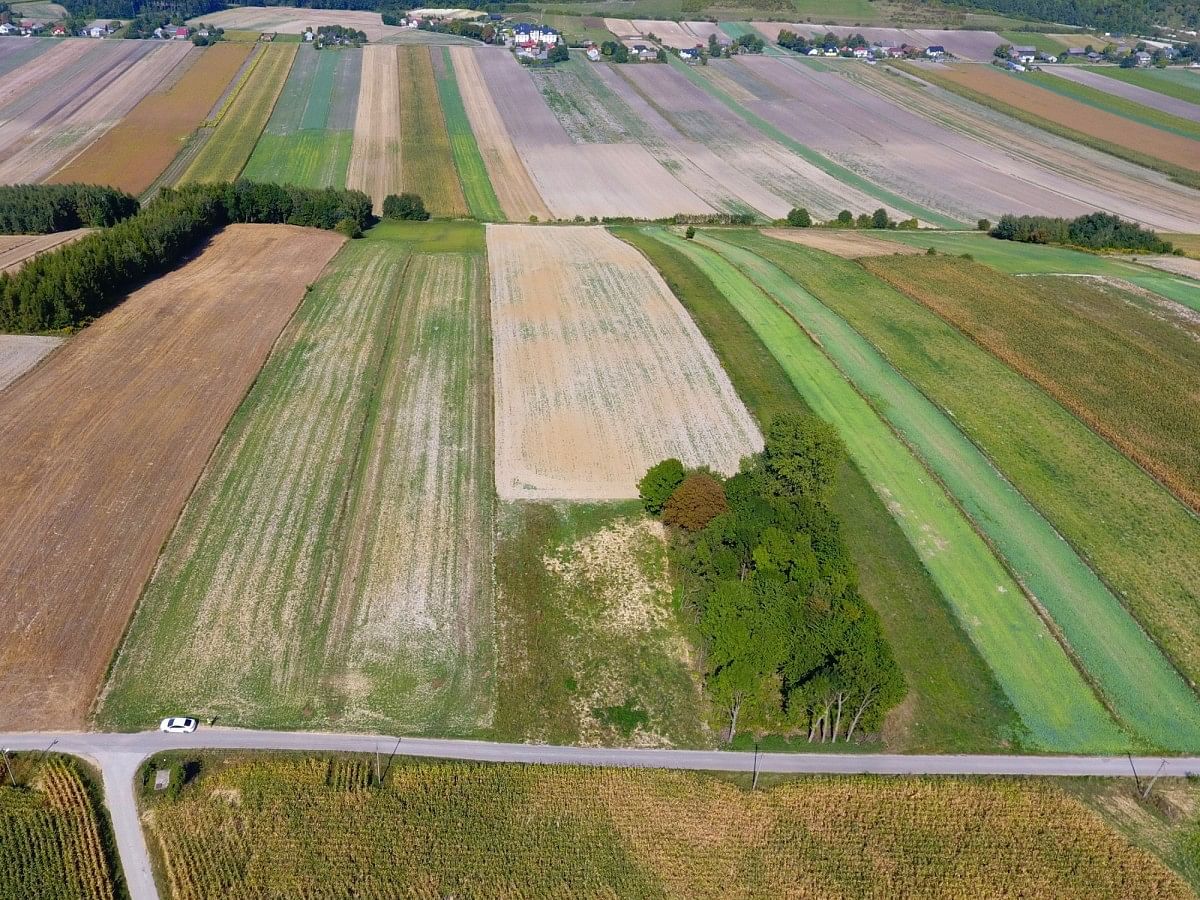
(119,756)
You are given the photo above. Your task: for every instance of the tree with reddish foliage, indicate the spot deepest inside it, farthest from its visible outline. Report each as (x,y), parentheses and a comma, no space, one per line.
(698,500)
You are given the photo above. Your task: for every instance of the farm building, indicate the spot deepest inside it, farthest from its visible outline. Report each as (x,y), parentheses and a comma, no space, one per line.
(935,50)
(1023,54)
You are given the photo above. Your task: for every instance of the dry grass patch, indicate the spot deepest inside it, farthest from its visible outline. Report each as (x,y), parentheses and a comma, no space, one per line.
(375,160)
(846,244)
(600,373)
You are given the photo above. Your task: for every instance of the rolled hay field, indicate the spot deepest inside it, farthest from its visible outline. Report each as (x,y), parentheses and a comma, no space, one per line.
(140,148)
(227,149)
(143,395)
(1131,531)
(60,102)
(308,139)
(1131,92)
(478,191)
(317,827)
(17,249)
(599,371)
(517,194)
(55,837)
(21,352)
(333,567)
(427,163)
(1058,709)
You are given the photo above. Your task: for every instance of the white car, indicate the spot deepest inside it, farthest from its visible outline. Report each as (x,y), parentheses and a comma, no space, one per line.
(178,725)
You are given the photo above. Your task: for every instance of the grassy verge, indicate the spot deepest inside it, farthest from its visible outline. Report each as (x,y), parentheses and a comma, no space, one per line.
(954,703)
(472,173)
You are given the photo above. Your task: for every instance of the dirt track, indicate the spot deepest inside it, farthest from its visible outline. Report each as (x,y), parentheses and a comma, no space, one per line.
(93,487)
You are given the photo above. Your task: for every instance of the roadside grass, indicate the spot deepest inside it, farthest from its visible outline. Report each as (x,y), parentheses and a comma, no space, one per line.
(1133,531)
(591,646)
(954,703)
(1174,82)
(1121,106)
(228,148)
(428,163)
(472,173)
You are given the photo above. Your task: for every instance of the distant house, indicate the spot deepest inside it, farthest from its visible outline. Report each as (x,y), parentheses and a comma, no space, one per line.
(593,53)
(814,52)
(935,50)
(831,50)
(9,28)
(529,33)
(1094,56)
(181,33)
(308,36)
(1143,58)
(1015,66)
(1024,54)
(59,31)
(689,54)
(861,52)
(1076,51)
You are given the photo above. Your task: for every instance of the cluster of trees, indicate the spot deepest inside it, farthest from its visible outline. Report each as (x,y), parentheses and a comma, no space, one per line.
(1095,231)
(1122,17)
(788,643)
(46,208)
(474,30)
(799,217)
(798,42)
(338,34)
(406,206)
(66,287)
(175,11)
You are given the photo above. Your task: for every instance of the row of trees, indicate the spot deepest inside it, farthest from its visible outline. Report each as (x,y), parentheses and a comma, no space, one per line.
(799,217)
(66,287)
(801,44)
(788,643)
(47,208)
(1095,231)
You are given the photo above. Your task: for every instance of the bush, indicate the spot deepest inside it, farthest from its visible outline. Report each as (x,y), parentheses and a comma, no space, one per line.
(845,217)
(1095,231)
(799,218)
(690,233)
(983,225)
(863,221)
(348,228)
(406,206)
(880,218)
(698,500)
(659,483)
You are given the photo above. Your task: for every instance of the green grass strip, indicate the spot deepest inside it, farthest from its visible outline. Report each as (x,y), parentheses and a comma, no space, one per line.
(472,172)
(1111,103)
(821,162)
(1049,694)
(1090,491)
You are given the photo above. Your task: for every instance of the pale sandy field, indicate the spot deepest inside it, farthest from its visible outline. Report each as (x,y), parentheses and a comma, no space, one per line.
(375,156)
(291,20)
(846,244)
(17,249)
(599,371)
(21,352)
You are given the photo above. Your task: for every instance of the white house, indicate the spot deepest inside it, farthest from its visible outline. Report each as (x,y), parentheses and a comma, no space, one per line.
(937,51)
(9,28)
(861,52)
(1024,54)
(593,53)
(690,54)
(528,33)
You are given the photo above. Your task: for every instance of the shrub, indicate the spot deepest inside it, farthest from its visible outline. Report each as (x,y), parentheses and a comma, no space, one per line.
(799,218)
(349,228)
(863,221)
(690,233)
(659,483)
(698,500)
(845,217)
(406,206)
(880,218)
(984,225)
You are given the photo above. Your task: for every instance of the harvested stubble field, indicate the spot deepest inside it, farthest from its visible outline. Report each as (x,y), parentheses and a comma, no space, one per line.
(66,98)
(21,352)
(134,153)
(14,54)
(229,146)
(17,249)
(514,187)
(143,396)
(290,20)
(307,141)
(1129,91)
(375,158)
(600,373)
(333,565)
(427,165)
(846,244)
(591,646)
(54,840)
(321,828)
(477,188)
(1057,707)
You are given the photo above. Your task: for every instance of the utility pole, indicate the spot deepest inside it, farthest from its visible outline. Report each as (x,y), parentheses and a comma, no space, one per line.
(390,757)
(1150,786)
(754,782)
(7,766)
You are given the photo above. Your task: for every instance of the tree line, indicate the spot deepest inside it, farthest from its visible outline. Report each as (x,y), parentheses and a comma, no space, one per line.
(66,287)
(47,208)
(788,643)
(1124,17)
(1095,231)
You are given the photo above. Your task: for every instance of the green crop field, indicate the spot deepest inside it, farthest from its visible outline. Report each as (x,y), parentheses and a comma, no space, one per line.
(333,567)
(592,648)
(472,173)
(1131,529)
(1098,629)
(1055,704)
(428,167)
(1177,82)
(953,702)
(1043,42)
(55,839)
(1120,106)
(327,827)
(224,155)
(307,140)
(1016,258)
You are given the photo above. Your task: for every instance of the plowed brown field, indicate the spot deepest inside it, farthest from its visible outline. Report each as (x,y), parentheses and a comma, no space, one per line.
(599,371)
(375,157)
(93,488)
(21,352)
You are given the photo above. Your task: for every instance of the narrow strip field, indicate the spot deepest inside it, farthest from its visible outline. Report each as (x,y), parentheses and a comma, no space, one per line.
(599,371)
(333,567)
(21,352)
(1173,82)
(134,153)
(427,164)
(1133,110)
(1129,92)
(375,159)
(142,397)
(1053,701)
(477,188)
(307,141)
(232,141)
(17,249)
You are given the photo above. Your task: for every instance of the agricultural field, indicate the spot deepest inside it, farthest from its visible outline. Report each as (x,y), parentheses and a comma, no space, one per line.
(989,605)
(143,396)
(133,154)
(846,244)
(599,371)
(21,352)
(1134,110)
(477,188)
(1130,92)
(376,166)
(1174,82)
(14,53)
(358,468)
(286,20)
(55,838)
(17,249)
(251,827)
(965,44)
(62,100)
(426,162)
(238,125)
(308,139)
(592,648)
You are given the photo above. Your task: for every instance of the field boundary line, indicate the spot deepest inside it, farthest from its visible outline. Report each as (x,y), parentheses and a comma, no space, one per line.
(260,50)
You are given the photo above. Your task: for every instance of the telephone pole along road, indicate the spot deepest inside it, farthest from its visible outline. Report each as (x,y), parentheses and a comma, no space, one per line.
(120,755)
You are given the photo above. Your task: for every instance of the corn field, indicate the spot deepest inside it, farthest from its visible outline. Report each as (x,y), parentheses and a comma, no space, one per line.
(50,843)
(323,828)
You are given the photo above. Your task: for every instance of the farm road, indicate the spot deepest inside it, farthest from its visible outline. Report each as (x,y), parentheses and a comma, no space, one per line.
(119,756)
